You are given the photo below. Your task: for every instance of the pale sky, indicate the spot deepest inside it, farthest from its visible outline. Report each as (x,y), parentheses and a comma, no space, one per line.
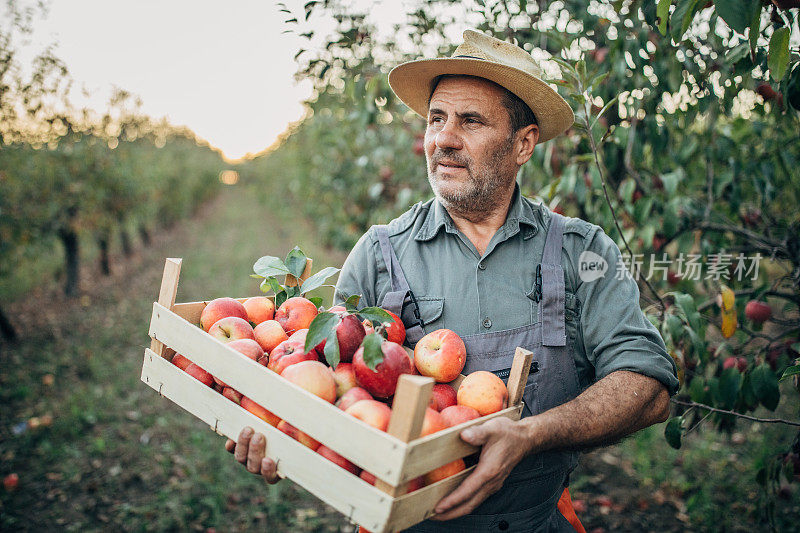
(224,69)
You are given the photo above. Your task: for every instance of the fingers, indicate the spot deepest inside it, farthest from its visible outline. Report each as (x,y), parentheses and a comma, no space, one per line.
(230,445)
(258,445)
(269,471)
(471,485)
(242,445)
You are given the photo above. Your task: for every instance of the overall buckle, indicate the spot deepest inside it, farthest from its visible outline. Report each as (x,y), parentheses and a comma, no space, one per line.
(537,289)
(416,308)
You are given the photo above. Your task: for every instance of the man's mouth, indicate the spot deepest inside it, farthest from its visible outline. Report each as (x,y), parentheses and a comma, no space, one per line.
(449,165)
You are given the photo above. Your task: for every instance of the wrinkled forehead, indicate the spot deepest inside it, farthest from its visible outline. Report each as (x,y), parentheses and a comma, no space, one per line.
(471,92)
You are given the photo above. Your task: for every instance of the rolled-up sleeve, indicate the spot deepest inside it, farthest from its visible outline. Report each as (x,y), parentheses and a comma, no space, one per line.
(359,274)
(616,334)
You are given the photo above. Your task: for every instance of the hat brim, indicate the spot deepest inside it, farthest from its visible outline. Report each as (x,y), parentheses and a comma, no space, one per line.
(412,83)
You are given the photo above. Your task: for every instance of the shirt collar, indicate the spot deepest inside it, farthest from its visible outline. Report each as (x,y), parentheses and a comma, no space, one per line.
(521,217)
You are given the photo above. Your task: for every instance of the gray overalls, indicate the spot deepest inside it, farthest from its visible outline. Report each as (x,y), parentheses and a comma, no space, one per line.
(527,501)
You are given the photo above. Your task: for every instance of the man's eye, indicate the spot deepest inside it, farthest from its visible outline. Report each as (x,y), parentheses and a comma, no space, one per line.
(473,121)
(435,119)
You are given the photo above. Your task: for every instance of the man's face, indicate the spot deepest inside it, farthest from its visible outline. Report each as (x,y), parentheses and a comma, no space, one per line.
(468,146)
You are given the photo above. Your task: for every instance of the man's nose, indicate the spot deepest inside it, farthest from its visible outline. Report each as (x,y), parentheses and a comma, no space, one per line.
(448,137)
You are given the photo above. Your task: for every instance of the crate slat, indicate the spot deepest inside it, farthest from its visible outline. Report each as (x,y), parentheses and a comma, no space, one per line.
(412,508)
(348,494)
(167,294)
(371,449)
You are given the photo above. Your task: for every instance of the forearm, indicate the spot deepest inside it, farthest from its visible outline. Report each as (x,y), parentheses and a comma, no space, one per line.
(619,404)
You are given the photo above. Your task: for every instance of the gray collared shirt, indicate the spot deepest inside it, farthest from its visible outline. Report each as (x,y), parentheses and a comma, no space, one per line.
(461,290)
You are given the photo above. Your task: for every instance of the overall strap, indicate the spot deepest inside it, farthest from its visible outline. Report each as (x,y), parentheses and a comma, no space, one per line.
(552,283)
(401,292)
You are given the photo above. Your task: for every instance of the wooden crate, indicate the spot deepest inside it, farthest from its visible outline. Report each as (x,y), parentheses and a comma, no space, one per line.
(394,457)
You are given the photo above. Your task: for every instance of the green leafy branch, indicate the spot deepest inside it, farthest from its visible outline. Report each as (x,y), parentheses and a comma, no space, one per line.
(269,267)
(582,85)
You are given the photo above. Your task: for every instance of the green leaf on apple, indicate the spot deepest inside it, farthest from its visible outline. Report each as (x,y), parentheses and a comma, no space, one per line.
(375,315)
(269,266)
(316,300)
(271,284)
(323,325)
(332,350)
(280,297)
(673,431)
(296,262)
(373,355)
(317,280)
(292,291)
(351,303)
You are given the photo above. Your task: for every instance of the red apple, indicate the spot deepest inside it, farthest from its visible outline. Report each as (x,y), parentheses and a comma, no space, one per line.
(298,435)
(415,484)
(219,309)
(432,423)
(440,354)
(352,396)
(443,396)
(231,328)
(458,414)
(368,329)
(373,412)
(259,309)
(247,347)
(334,457)
(739,363)
(350,332)
(395,331)
(757,312)
(314,377)
(290,352)
(233,395)
(199,374)
(11,481)
(269,334)
(259,411)
(180,361)
(484,392)
(295,313)
(382,381)
(444,471)
(345,378)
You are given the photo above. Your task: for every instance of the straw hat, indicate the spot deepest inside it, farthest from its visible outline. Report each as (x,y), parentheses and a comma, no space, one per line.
(503,63)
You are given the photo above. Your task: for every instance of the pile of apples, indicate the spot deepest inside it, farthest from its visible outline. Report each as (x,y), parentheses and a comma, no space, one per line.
(277,338)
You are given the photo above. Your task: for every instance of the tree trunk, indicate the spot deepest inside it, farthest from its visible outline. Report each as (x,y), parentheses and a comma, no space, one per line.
(105,264)
(6,328)
(144,234)
(125,238)
(71,256)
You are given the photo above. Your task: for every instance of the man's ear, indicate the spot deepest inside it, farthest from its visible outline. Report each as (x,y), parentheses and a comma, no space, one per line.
(527,138)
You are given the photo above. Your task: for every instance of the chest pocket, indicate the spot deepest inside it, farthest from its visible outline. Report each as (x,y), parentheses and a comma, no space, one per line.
(430,311)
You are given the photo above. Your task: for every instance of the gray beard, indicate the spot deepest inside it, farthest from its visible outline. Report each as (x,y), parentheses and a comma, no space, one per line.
(482,195)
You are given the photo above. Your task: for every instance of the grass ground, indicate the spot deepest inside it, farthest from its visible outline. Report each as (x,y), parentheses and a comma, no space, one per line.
(116,456)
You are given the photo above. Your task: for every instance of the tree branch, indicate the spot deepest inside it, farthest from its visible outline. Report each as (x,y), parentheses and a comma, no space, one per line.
(734,413)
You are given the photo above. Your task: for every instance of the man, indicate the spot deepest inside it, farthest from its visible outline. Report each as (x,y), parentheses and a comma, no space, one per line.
(503,272)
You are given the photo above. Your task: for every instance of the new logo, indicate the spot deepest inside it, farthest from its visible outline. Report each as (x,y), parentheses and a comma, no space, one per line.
(591,266)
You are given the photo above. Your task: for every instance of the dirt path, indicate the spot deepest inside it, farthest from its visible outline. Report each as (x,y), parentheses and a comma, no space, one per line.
(117,456)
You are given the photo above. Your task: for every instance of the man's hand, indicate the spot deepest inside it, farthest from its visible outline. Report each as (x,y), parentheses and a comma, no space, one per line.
(249,450)
(504,445)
